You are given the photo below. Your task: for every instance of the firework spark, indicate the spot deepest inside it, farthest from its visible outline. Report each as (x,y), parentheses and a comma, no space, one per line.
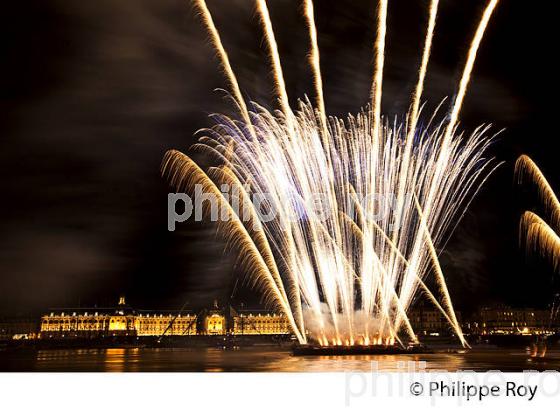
(346,273)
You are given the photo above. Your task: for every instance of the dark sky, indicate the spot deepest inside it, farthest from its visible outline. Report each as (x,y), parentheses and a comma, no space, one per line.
(94,93)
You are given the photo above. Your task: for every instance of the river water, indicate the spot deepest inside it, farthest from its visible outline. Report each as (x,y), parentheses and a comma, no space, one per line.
(261,359)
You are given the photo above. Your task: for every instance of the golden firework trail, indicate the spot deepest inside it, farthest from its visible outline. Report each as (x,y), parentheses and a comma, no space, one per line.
(230,74)
(275,57)
(348,271)
(533,230)
(377,83)
(183,172)
(525,167)
(314,59)
(471,58)
(417,94)
(539,236)
(440,278)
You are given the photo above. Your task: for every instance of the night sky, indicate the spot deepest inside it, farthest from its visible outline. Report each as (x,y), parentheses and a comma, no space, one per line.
(94,93)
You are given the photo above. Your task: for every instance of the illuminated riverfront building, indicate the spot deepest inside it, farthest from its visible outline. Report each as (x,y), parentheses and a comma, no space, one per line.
(245,322)
(120,321)
(260,323)
(165,324)
(125,321)
(507,320)
(486,321)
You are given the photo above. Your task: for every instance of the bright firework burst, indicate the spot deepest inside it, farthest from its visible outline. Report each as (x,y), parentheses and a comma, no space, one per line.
(391,195)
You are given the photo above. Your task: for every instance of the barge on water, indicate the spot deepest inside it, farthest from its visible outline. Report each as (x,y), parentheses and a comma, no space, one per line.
(313,350)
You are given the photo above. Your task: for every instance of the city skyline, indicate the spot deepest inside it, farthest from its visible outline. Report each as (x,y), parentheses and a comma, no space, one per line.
(100,221)
(126,320)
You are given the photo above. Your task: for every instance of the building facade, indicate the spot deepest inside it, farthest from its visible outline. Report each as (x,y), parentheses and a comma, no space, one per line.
(78,323)
(430,321)
(125,321)
(257,323)
(121,321)
(165,324)
(507,320)
(215,324)
(18,328)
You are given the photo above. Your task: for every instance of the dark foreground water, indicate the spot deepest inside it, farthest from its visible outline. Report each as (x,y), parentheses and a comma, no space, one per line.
(260,359)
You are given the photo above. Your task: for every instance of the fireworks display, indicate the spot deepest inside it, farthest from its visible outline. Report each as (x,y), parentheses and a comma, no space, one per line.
(535,233)
(391,194)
